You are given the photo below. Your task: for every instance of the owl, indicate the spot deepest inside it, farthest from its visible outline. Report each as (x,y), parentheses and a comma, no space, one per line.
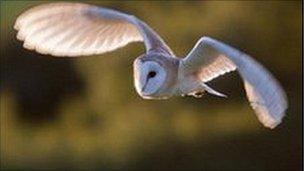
(66,29)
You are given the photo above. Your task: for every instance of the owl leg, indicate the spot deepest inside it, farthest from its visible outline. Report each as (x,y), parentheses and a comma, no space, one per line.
(191,88)
(197,94)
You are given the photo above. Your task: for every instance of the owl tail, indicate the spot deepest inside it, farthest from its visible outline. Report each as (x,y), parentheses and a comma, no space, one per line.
(211,91)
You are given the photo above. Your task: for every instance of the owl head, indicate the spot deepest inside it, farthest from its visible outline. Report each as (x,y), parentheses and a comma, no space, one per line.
(152,73)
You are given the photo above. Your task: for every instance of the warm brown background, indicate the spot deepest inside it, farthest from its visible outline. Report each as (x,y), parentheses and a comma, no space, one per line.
(85,114)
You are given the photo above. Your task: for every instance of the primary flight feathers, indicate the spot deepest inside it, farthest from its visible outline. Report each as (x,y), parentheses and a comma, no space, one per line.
(76,29)
(213,58)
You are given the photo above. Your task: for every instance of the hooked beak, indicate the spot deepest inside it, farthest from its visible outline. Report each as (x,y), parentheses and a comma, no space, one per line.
(144,87)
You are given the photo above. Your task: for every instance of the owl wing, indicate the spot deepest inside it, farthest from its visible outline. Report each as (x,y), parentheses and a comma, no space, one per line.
(76,29)
(211,58)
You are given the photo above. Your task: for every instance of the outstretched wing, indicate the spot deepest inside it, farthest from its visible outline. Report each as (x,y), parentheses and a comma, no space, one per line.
(76,29)
(211,58)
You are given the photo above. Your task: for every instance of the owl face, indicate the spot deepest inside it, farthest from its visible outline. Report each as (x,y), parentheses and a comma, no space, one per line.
(149,77)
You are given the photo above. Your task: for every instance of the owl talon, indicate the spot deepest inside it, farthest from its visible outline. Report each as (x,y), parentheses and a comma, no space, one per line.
(197,94)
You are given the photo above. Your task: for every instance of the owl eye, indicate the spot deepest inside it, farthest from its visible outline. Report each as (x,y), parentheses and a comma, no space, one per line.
(151,74)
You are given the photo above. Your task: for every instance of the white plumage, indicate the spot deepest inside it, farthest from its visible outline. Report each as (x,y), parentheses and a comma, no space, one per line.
(77,29)
(264,93)
(69,29)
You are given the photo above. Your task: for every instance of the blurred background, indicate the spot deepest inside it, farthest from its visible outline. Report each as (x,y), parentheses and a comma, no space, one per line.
(84,113)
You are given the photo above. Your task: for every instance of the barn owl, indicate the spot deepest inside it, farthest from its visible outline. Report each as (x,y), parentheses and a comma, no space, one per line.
(75,29)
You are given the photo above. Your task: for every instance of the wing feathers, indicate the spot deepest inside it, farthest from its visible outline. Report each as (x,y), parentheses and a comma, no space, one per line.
(218,67)
(211,58)
(75,29)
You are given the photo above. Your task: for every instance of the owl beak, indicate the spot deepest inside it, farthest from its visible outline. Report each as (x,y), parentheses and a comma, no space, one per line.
(144,87)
